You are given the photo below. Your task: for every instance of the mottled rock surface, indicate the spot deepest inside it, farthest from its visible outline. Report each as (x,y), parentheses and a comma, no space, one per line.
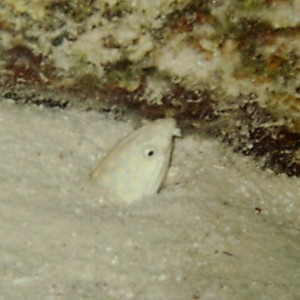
(230,68)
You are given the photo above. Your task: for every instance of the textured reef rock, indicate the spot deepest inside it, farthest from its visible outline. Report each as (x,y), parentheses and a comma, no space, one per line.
(230,68)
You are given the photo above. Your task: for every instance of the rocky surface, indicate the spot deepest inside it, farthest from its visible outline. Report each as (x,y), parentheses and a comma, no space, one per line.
(230,68)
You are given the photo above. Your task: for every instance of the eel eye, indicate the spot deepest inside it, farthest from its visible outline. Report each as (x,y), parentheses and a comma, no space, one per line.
(149,151)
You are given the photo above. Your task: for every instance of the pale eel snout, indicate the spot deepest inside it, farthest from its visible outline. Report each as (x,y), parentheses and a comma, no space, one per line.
(137,164)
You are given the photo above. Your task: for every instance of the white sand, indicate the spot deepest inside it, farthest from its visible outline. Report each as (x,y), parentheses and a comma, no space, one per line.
(200,238)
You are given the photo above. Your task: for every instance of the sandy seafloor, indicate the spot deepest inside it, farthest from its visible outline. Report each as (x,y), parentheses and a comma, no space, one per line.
(220,228)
